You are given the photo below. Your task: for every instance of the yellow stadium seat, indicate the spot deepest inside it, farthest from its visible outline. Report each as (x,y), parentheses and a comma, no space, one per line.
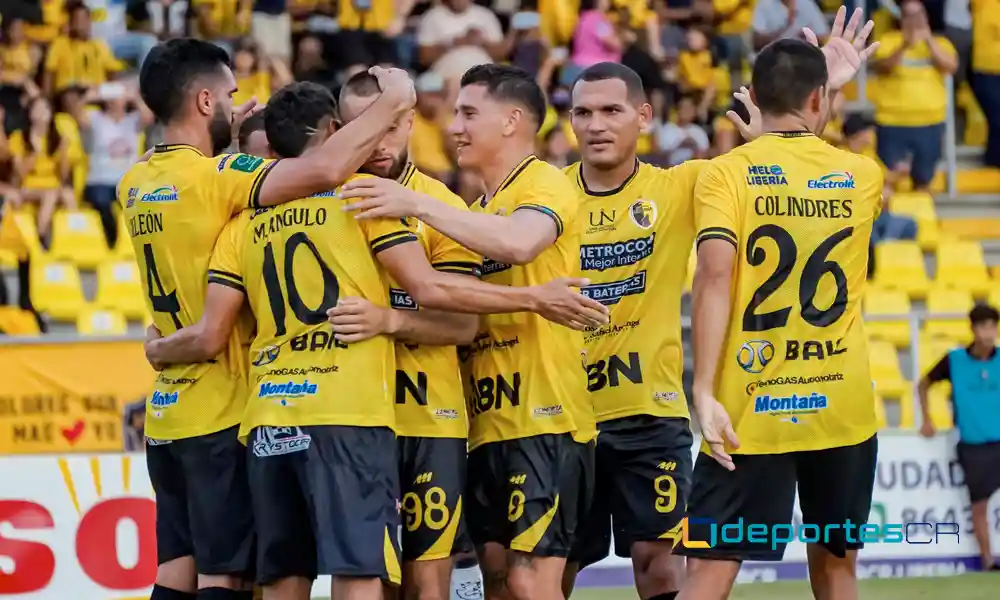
(77,237)
(880,412)
(938,404)
(919,206)
(8,259)
(119,288)
(970,228)
(961,265)
(17,321)
(900,266)
(56,289)
(984,180)
(24,219)
(99,321)
(884,362)
(878,303)
(951,301)
(993,297)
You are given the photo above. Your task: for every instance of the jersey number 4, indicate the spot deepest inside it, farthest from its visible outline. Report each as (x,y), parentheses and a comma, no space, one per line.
(305,315)
(159,299)
(817,265)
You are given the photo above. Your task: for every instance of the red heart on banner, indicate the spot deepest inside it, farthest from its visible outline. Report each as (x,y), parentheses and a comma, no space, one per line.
(72,434)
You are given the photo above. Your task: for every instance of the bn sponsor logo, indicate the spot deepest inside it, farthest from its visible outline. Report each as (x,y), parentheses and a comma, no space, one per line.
(612,372)
(490,393)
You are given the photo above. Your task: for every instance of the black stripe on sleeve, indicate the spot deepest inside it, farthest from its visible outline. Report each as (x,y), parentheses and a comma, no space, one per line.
(229,283)
(717,233)
(232,276)
(258,183)
(394,240)
(545,211)
(462,268)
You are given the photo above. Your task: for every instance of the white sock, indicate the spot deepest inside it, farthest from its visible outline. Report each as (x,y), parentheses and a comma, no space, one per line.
(466,580)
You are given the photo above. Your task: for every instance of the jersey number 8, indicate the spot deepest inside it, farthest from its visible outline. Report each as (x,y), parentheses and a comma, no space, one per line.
(305,315)
(813,271)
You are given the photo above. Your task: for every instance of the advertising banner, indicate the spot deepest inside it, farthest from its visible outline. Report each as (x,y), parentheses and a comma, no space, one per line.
(68,397)
(83,527)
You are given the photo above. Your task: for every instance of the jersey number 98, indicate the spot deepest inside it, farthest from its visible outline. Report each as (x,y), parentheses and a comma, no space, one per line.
(817,265)
(305,315)
(432,511)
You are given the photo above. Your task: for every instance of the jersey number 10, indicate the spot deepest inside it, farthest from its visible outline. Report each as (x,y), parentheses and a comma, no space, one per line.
(305,315)
(816,266)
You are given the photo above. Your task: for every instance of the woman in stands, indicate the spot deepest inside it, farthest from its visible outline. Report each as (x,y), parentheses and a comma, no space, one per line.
(40,157)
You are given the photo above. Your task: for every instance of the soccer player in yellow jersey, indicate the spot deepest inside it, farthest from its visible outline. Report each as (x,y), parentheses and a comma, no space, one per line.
(431,421)
(530,458)
(636,239)
(176,204)
(782,387)
(320,409)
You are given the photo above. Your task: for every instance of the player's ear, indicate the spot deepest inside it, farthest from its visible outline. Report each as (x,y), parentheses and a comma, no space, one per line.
(510,123)
(645,115)
(205,101)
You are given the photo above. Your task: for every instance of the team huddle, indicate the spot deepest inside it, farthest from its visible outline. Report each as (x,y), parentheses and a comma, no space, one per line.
(361,376)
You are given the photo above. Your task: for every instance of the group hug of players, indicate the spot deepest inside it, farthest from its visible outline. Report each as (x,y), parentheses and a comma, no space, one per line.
(347,350)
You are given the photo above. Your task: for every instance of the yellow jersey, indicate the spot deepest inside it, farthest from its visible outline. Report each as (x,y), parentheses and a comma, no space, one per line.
(44,174)
(294,262)
(793,373)
(430,399)
(83,63)
(15,63)
(634,247)
(175,205)
(365,15)
(527,376)
(986,36)
(914,93)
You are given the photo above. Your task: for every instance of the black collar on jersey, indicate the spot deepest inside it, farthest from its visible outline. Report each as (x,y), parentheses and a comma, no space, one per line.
(164,148)
(611,192)
(801,133)
(509,179)
(993,353)
(407,174)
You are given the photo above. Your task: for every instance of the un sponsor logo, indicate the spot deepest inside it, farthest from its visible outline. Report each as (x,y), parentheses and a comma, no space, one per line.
(754,355)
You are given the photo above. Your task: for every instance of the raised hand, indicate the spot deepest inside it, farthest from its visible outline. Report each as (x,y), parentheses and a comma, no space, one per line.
(397,84)
(846,48)
(755,128)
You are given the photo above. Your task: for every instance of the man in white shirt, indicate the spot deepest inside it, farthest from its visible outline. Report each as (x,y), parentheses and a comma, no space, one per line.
(457,35)
(109,24)
(684,139)
(777,19)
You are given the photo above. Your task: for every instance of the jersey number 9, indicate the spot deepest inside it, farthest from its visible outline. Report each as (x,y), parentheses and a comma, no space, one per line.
(305,315)
(817,265)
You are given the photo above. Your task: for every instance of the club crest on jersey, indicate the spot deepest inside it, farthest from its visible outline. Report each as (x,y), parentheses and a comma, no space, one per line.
(243,163)
(643,213)
(266,356)
(167,193)
(754,355)
(841,180)
(766,175)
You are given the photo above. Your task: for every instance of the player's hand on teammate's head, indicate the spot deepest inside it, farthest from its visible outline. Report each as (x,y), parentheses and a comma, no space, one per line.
(716,429)
(560,301)
(243,112)
(755,128)
(846,48)
(397,85)
(376,197)
(356,319)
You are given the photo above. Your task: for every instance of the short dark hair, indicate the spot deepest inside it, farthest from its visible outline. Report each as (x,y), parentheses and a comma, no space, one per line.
(510,84)
(170,69)
(75,5)
(362,84)
(785,73)
(254,122)
(294,113)
(608,70)
(982,313)
(856,122)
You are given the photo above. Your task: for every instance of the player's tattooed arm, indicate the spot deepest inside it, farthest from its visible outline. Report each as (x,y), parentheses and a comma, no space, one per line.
(204,340)
(357,319)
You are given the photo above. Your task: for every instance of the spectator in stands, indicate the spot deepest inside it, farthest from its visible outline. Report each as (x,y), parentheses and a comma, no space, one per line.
(777,19)
(257,74)
(556,149)
(429,144)
(974,373)
(456,35)
(527,48)
(78,59)
(18,64)
(134,426)
(271,27)
(41,164)
(166,19)
(131,46)
(595,39)
(731,20)
(682,139)
(111,139)
(912,102)
(367,29)
(986,72)
(221,23)
(695,71)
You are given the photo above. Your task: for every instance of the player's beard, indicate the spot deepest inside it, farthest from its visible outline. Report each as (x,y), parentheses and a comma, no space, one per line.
(394,171)
(220,130)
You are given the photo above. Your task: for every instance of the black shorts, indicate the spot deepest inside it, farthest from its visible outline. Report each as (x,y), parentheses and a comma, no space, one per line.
(358,47)
(644,477)
(432,481)
(203,504)
(980,465)
(324,499)
(530,494)
(835,486)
